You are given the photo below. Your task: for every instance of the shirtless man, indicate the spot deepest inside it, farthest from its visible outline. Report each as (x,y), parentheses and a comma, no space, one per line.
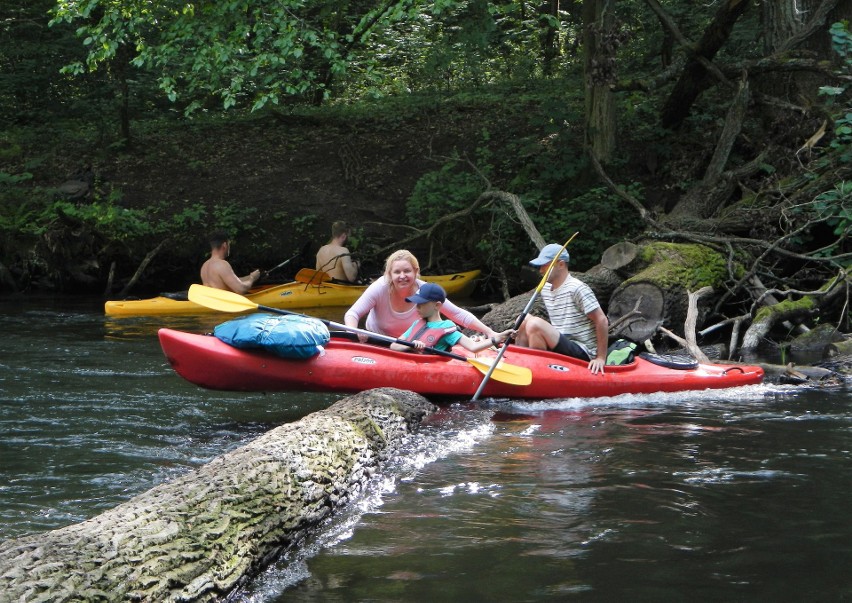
(217,272)
(334,259)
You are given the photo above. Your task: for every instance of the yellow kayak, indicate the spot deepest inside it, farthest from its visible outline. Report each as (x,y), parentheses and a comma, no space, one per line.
(287,296)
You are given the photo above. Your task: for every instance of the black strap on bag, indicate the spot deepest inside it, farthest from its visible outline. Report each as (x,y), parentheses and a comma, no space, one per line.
(621,351)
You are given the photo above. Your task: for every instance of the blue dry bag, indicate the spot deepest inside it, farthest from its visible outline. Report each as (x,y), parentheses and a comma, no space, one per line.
(286,336)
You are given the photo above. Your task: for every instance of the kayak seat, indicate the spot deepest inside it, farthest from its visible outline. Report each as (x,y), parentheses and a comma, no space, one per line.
(176,295)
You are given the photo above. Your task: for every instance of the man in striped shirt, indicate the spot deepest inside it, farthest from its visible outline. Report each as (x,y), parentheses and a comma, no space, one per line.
(578,326)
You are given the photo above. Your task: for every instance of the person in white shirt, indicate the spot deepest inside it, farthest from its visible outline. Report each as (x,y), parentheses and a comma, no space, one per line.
(578,326)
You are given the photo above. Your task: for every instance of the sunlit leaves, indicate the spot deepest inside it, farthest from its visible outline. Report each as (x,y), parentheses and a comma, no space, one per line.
(229,49)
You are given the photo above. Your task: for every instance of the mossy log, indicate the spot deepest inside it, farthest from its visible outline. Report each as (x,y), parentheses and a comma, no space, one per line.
(809,304)
(503,316)
(839,348)
(200,536)
(621,257)
(659,292)
(602,280)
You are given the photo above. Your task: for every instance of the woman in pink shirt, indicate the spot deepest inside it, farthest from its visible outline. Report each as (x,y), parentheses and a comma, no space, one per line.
(384,301)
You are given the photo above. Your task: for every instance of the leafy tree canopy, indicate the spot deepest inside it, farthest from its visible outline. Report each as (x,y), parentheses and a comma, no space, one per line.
(248,50)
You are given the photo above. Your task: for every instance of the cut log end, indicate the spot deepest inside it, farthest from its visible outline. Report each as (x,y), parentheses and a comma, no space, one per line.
(647,300)
(619,255)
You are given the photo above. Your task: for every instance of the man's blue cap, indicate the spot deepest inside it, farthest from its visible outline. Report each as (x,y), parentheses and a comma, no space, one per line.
(548,252)
(429,292)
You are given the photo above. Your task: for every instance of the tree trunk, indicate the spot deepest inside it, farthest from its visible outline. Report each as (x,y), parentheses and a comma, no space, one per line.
(807,304)
(600,46)
(800,25)
(703,200)
(620,256)
(141,269)
(550,39)
(200,536)
(601,279)
(695,78)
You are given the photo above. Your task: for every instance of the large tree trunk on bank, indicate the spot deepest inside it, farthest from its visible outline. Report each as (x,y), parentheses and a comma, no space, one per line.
(659,291)
(801,26)
(695,77)
(200,536)
(703,200)
(600,43)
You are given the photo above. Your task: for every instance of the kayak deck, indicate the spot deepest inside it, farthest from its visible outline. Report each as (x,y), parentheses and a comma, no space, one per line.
(288,296)
(349,366)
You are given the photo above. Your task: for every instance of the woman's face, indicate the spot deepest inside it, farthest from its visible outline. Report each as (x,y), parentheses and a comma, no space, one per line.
(402,274)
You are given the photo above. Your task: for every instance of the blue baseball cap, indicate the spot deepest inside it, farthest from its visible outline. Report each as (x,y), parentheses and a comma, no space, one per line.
(429,292)
(548,252)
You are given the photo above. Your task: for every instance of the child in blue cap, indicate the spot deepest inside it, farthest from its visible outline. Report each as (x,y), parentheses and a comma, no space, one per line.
(430,330)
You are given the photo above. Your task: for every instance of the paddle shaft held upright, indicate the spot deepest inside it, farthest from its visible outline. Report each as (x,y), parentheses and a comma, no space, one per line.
(522,316)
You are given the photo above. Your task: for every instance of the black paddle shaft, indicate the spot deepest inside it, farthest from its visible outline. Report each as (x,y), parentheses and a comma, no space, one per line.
(387,338)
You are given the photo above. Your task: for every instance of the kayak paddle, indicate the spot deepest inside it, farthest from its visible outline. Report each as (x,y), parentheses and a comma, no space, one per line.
(281,265)
(228,301)
(522,315)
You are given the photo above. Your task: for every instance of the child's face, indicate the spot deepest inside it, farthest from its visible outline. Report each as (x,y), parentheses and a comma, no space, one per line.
(428,309)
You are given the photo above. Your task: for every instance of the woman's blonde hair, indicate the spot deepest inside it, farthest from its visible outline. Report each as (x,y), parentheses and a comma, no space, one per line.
(401,255)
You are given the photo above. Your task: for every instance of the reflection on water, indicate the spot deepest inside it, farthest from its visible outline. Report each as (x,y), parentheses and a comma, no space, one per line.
(91,413)
(722,495)
(674,497)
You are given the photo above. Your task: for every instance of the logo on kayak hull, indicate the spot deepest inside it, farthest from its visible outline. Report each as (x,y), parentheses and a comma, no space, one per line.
(363,360)
(558,367)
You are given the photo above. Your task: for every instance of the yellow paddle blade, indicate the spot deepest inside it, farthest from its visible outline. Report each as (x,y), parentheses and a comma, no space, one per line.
(218,299)
(506,373)
(312,277)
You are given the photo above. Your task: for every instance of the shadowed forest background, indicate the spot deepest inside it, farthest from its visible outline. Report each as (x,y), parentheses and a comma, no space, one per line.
(129,134)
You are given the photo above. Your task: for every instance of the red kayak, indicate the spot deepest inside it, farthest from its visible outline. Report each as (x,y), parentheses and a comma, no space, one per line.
(350,366)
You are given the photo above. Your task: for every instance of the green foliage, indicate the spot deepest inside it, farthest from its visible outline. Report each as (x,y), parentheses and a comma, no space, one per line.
(257,54)
(13,179)
(492,233)
(836,207)
(439,193)
(282,233)
(234,217)
(600,217)
(841,41)
(18,214)
(33,224)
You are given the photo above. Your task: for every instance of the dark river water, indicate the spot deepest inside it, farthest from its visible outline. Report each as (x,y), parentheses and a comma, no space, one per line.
(735,495)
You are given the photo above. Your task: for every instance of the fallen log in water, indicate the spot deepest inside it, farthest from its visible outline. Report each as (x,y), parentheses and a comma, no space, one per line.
(200,536)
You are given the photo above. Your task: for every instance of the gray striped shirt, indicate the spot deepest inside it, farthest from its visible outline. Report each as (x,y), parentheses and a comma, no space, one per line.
(568,308)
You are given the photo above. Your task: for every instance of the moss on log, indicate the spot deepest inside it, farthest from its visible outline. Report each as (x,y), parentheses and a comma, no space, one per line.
(200,536)
(660,290)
